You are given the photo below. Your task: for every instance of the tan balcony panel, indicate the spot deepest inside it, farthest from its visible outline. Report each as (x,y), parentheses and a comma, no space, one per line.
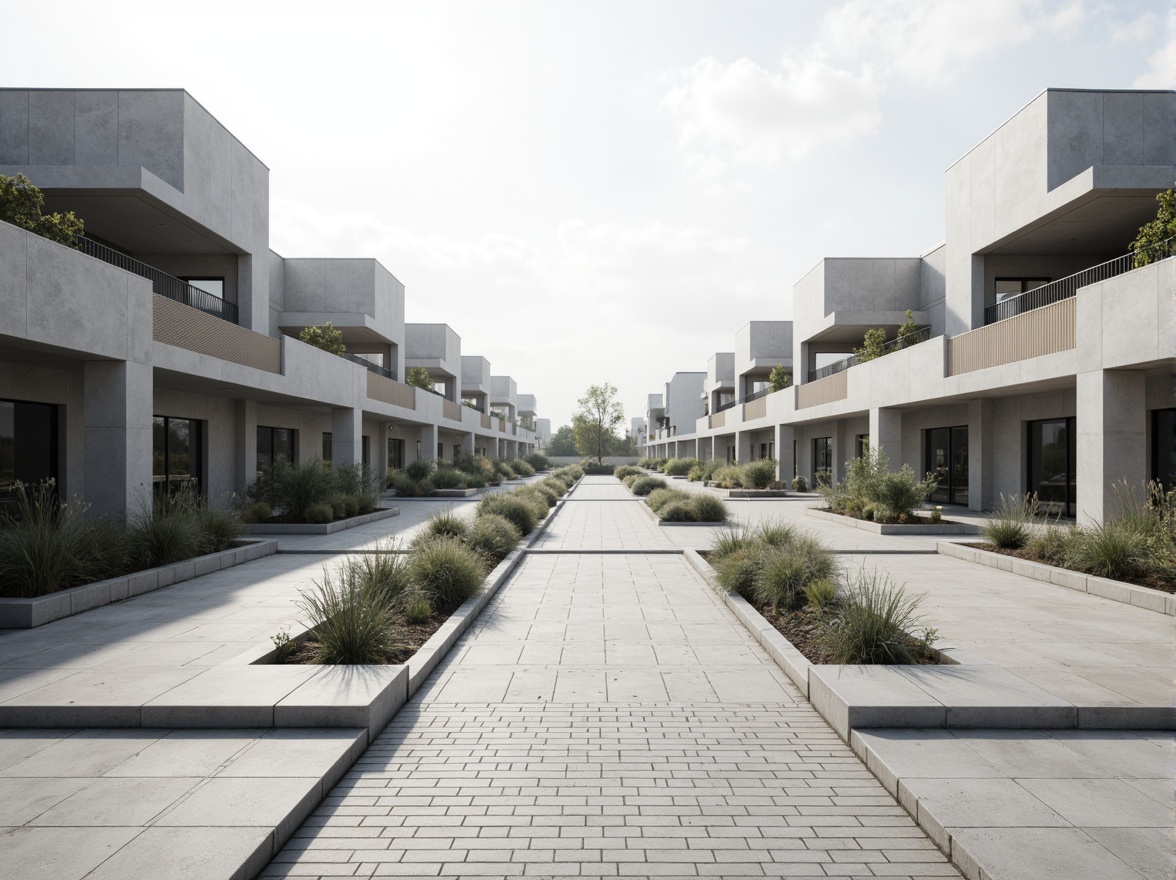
(451,410)
(756,409)
(185,327)
(1047,330)
(485,422)
(827,390)
(718,420)
(390,391)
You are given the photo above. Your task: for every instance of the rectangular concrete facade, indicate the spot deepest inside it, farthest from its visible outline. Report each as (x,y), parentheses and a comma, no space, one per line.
(170,334)
(1035,356)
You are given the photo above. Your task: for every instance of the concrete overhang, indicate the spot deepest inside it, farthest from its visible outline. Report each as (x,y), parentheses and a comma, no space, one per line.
(355,327)
(845,326)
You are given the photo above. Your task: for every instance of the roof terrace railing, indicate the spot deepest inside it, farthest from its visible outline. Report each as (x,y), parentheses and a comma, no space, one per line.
(904,341)
(161,283)
(1064,288)
(372,367)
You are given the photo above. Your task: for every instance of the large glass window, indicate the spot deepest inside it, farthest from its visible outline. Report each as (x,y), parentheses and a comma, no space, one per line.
(395,454)
(822,460)
(946,456)
(176,456)
(1163,448)
(327,446)
(1007,288)
(1052,455)
(28,444)
(274,444)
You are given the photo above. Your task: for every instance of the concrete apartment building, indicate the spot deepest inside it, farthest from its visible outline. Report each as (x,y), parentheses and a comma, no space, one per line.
(1044,360)
(165,350)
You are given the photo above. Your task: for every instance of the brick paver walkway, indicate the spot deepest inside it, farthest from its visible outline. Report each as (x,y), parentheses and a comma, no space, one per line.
(608,717)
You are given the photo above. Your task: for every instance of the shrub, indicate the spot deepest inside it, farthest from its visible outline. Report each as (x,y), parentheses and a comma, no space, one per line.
(492,536)
(696,473)
(449,478)
(627,470)
(758,474)
(319,512)
(894,495)
(679,467)
(900,493)
(43,544)
(709,509)
(774,532)
(447,525)
(787,569)
(556,486)
(1111,550)
(522,468)
(351,622)
(729,541)
(1008,526)
(21,204)
(219,529)
(1050,545)
(520,514)
(799,484)
(728,476)
(325,337)
(551,495)
(383,574)
(446,571)
(403,484)
(162,536)
(503,470)
(539,503)
(874,624)
(351,506)
(298,486)
(644,485)
(421,469)
(738,571)
(418,610)
(258,511)
(418,377)
(357,482)
(680,510)
(597,468)
(538,461)
(658,498)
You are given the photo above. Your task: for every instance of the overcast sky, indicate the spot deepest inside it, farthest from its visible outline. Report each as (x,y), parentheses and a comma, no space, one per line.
(596,192)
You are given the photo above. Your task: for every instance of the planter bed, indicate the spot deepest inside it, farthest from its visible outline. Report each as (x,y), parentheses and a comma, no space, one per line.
(36,611)
(944,527)
(668,525)
(277,528)
(1117,591)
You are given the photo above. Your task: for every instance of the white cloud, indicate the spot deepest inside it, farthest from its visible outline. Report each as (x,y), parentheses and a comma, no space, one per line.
(746,114)
(928,41)
(1161,65)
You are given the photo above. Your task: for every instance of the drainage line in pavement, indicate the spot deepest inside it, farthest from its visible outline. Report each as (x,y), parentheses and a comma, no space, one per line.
(886,552)
(533,552)
(340,552)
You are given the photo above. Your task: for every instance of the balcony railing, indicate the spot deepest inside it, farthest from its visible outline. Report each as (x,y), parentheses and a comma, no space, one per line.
(161,283)
(372,367)
(725,406)
(905,341)
(1064,288)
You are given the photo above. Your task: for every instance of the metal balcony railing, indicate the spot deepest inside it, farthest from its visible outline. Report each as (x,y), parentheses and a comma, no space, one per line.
(1064,288)
(893,345)
(372,368)
(725,406)
(161,283)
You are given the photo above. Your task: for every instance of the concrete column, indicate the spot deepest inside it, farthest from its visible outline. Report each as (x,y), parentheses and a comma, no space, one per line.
(785,466)
(743,446)
(428,439)
(380,453)
(467,444)
(116,414)
(346,437)
(886,433)
(245,442)
(980,455)
(1111,428)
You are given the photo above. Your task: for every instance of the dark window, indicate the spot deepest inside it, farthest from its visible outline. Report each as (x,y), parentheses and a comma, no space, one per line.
(946,456)
(822,460)
(177,460)
(1052,454)
(215,286)
(1007,288)
(365,450)
(327,446)
(1163,448)
(28,444)
(395,454)
(274,444)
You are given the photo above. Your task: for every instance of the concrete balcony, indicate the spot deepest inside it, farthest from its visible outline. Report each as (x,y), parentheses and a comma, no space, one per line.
(437,348)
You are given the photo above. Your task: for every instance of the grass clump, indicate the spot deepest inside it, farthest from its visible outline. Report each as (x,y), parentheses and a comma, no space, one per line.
(644,485)
(515,509)
(659,498)
(709,509)
(679,467)
(538,461)
(874,623)
(627,470)
(493,537)
(870,485)
(351,613)
(447,525)
(446,572)
(759,474)
(788,569)
(522,468)
(1008,526)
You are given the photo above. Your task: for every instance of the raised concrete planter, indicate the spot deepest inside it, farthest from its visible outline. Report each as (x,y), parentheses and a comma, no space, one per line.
(39,610)
(963,691)
(320,528)
(748,494)
(1116,591)
(673,525)
(944,528)
(454,493)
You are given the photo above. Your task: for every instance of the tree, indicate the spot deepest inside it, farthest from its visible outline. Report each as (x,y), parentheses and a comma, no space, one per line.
(21,204)
(871,345)
(325,337)
(419,377)
(626,445)
(907,330)
(778,379)
(1153,242)
(594,426)
(562,442)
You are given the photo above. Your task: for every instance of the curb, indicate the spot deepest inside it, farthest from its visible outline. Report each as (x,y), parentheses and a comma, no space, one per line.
(320,528)
(1116,591)
(39,610)
(947,528)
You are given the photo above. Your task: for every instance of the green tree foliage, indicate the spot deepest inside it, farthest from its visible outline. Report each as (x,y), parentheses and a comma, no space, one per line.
(872,345)
(418,377)
(595,424)
(1153,242)
(779,378)
(21,204)
(562,442)
(907,330)
(325,337)
(626,445)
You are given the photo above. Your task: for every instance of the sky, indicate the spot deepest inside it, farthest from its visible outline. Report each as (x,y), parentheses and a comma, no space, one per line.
(600,191)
